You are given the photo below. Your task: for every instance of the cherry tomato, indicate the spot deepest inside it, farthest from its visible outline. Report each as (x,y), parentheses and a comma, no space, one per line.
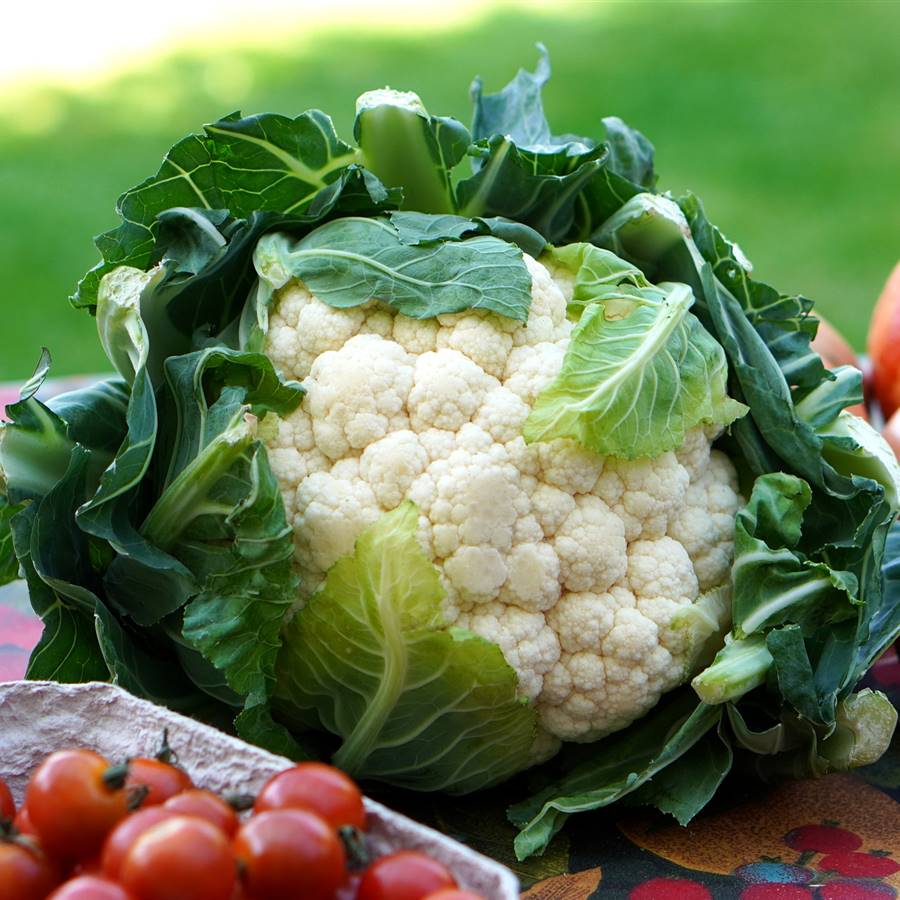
(180,859)
(71,804)
(90,887)
(453,894)
(25,873)
(290,853)
(204,805)
(318,787)
(7,804)
(162,780)
(123,836)
(406,875)
(23,824)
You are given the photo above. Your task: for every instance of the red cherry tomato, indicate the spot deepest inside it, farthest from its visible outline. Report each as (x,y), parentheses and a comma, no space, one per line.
(7,804)
(71,804)
(290,853)
(453,894)
(859,865)
(406,875)
(180,859)
(90,887)
(23,824)
(25,873)
(123,836)
(162,780)
(204,805)
(323,789)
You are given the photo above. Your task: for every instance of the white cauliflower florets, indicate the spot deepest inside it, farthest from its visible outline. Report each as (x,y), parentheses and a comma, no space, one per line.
(575,565)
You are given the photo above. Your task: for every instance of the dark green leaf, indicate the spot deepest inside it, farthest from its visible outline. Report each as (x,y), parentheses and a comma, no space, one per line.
(265,162)
(348,262)
(618,766)
(683,788)
(630,153)
(68,649)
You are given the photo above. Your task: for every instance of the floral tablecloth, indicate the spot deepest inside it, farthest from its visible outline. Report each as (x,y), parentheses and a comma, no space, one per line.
(833,839)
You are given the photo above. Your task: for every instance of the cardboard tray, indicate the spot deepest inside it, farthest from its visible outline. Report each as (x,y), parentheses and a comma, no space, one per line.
(37,717)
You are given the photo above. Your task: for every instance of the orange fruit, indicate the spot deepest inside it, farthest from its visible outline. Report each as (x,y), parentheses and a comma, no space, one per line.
(884,345)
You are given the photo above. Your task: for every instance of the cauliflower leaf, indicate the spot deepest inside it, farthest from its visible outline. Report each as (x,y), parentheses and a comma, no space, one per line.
(368,659)
(348,262)
(639,372)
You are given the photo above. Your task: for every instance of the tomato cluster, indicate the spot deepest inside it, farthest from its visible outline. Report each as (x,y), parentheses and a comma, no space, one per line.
(90,830)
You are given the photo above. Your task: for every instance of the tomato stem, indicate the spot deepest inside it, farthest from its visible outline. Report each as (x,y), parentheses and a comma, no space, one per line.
(165,753)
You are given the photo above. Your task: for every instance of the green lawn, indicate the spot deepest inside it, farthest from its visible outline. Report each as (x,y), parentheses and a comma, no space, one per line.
(782,116)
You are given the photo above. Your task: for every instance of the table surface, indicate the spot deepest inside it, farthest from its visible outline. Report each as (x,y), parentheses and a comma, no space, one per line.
(837,838)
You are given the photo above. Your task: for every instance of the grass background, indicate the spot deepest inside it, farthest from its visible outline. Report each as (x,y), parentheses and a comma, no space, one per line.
(782,116)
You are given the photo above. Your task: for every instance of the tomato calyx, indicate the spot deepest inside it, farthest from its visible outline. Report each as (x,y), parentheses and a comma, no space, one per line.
(239,802)
(354,841)
(114,777)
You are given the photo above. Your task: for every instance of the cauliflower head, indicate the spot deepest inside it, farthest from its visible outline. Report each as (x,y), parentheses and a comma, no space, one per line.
(578,567)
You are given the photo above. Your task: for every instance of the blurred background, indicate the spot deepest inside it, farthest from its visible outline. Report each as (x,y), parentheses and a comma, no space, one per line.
(782,116)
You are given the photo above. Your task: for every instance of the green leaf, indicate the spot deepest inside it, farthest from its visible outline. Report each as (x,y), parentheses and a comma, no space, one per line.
(865,725)
(265,162)
(149,669)
(880,626)
(784,322)
(518,111)
(639,372)
(596,271)
(793,669)
(256,725)
(9,564)
(351,261)
(630,153)
(420,229)
(540,189)
(236,619)
(34,444)
(738,668)
(774,582)
(852,447)
(368,656)
(67,650)
(824,403)
(685,786)
(617,767)
(408,149)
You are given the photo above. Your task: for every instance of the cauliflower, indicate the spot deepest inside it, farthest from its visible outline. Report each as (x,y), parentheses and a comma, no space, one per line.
(576,566)
(430,460)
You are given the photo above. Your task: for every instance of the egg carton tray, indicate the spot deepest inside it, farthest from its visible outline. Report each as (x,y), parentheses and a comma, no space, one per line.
(37,717)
